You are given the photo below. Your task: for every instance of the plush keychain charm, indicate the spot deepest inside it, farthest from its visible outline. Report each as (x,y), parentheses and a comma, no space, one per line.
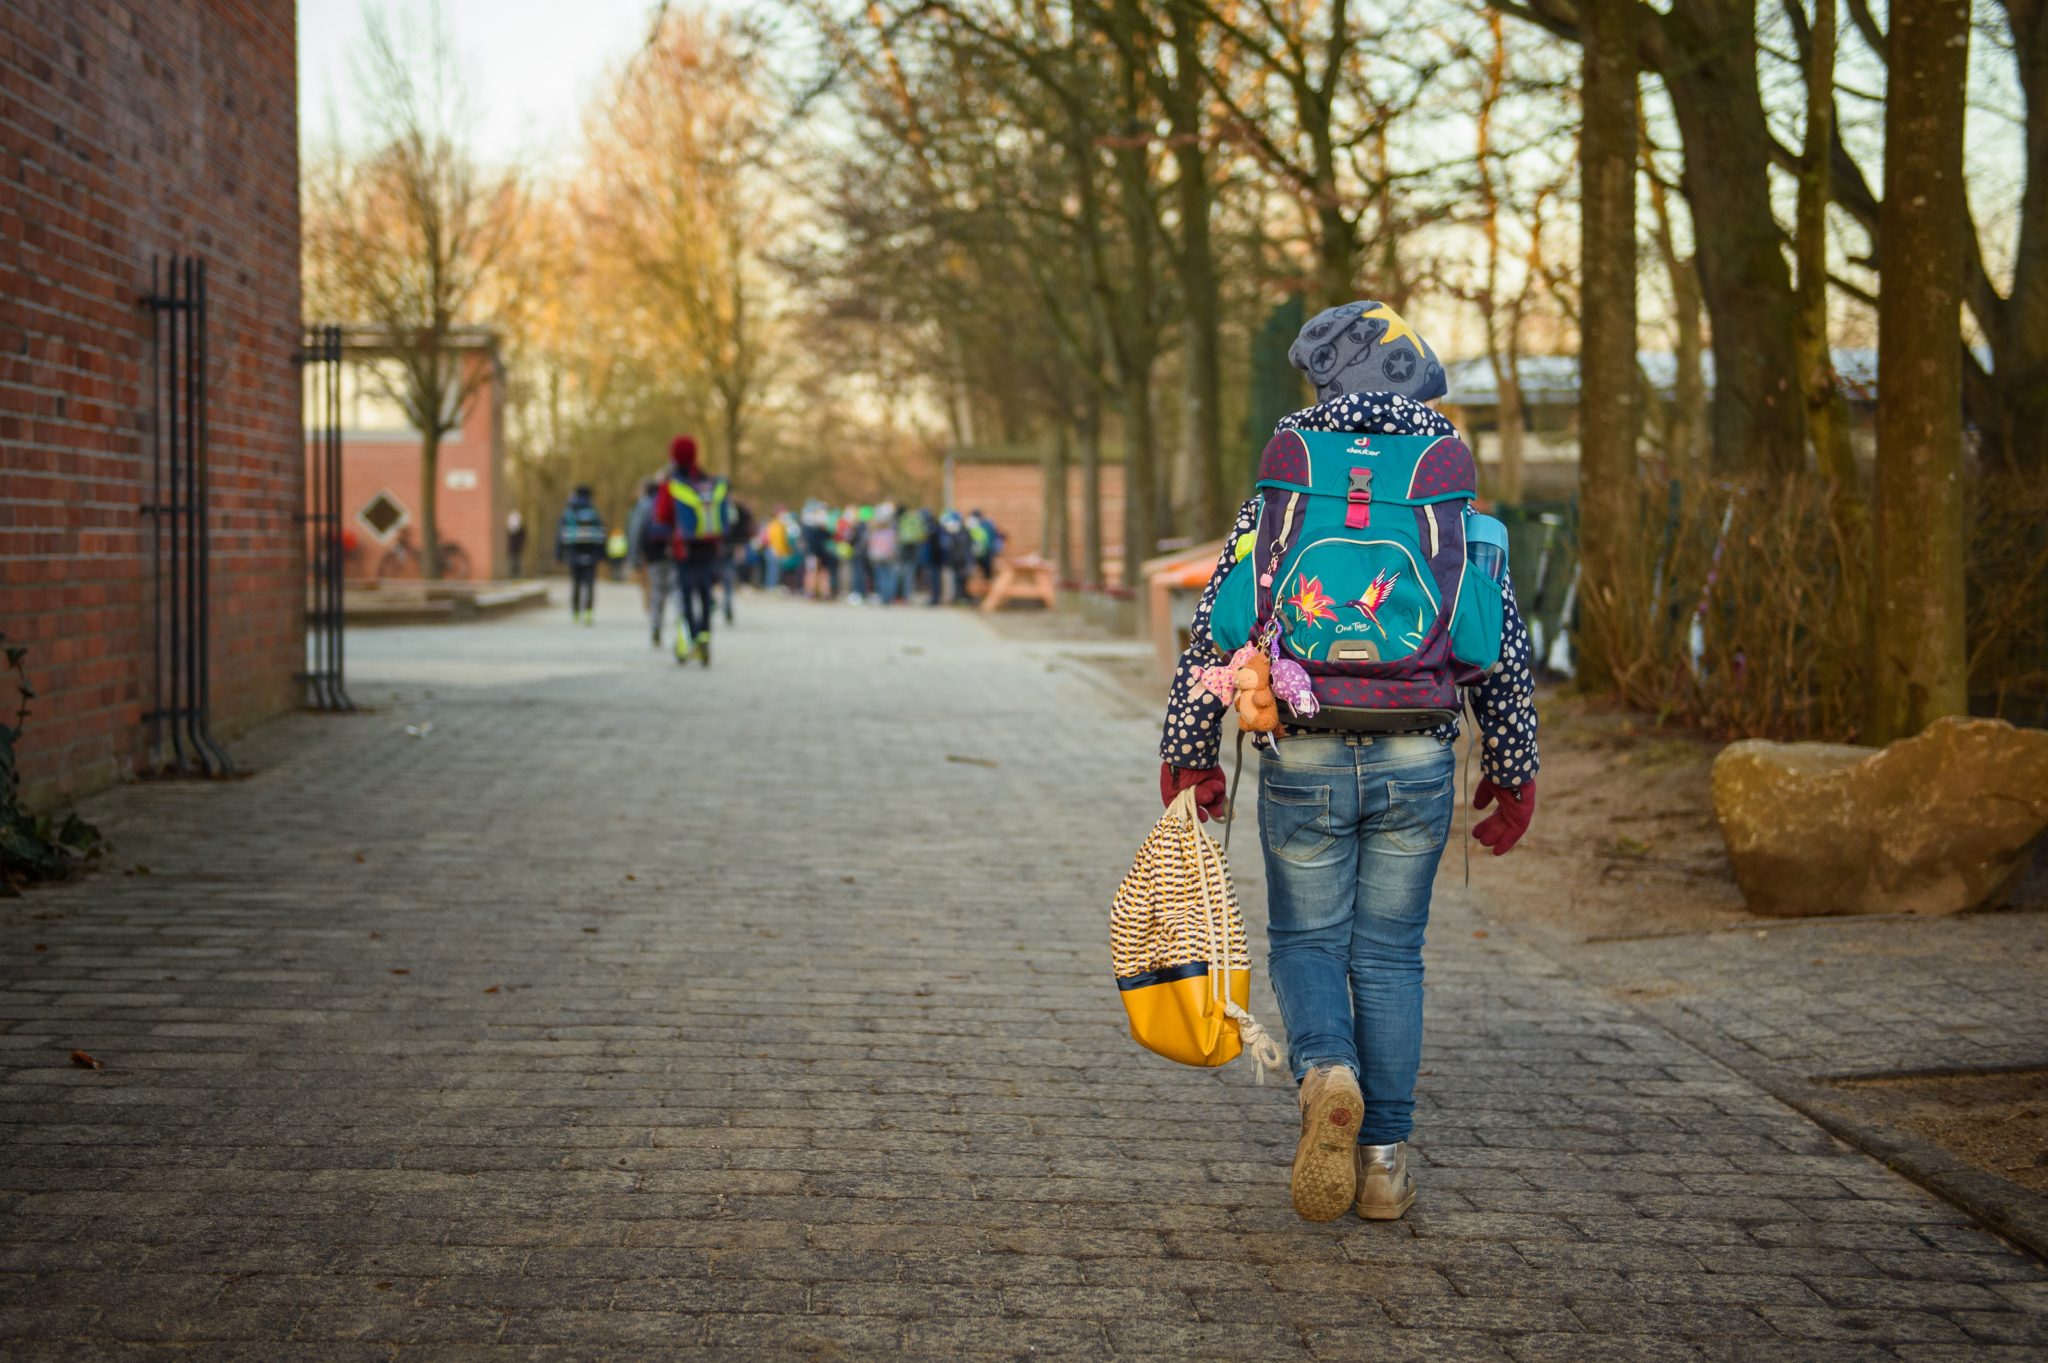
(1257,709)
(1221,682)
(1290,683)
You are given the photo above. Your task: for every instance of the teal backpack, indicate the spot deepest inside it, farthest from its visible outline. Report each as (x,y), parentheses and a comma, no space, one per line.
(1358,570)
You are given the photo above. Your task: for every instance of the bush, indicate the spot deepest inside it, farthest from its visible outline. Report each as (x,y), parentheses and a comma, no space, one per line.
(1743,606)
(33,846)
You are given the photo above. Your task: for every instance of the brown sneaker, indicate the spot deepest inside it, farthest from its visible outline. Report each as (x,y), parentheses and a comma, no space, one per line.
(1385,1187)
(1325,1174)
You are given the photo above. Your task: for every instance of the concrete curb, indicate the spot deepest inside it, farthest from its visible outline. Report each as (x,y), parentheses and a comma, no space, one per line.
(1997,1204)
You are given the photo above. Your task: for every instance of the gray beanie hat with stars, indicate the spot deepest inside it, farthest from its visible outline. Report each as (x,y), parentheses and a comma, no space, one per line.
(1365,347)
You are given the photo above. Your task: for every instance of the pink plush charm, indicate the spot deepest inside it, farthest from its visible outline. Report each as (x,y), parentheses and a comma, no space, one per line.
(1290,683)
(1221,682)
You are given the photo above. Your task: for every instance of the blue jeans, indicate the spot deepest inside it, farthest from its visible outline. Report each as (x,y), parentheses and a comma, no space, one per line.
(696,577)
(885,581)
(1353,826)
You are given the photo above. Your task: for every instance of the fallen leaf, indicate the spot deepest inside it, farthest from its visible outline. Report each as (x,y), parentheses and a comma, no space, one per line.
(1481,932)
(631,876)
(360,858)
(41,947)
(400,970)
(85,1061)
(590,929)
(846,880)
(492,990)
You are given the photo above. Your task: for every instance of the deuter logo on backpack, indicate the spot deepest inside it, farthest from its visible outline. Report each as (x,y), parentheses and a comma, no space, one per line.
(1370,568)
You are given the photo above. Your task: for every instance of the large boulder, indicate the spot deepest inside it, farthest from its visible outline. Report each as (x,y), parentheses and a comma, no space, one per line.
(1938,823)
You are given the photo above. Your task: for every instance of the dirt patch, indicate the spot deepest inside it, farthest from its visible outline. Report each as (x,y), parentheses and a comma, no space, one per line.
(1624,843)
(1997,1123)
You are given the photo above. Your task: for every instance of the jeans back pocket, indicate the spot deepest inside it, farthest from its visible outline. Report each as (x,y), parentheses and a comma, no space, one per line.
(1296,822)
(1419,813)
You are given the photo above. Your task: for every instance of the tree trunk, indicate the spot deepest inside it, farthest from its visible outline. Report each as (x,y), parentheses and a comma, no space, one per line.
(1759,417)
(1057,541)
(1508,383)
(1607,366)
(1503,345)
(1689,396)
(1141,488)
(1195,263)
(1919,667)
(2020,372)
(430,489)
(1827,414)
(734,424)
(1091,488)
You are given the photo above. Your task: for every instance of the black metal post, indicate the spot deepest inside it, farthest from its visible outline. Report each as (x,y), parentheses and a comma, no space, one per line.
(182,538)
(337,562)
(217,760)
(325,610)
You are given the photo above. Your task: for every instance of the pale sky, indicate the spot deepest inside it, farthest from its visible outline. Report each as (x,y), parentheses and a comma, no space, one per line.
(534,64)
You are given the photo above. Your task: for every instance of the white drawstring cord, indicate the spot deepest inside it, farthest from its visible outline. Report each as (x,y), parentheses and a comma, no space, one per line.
(1255,1039)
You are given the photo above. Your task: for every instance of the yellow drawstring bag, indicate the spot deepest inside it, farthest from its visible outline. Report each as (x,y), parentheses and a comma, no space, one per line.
(1177,939)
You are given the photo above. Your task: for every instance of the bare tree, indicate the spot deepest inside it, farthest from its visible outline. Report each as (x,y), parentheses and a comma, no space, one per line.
(1706,53)
(1920,668)
(675,191)
(411,238)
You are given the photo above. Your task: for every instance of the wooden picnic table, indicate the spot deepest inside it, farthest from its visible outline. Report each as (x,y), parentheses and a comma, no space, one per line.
(1029,577)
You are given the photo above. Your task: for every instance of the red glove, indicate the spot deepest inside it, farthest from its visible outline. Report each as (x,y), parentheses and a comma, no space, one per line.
(1211,798)
(1504,827)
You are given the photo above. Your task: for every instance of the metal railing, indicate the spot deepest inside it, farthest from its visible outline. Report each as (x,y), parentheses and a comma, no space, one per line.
(180,738)
(320,365)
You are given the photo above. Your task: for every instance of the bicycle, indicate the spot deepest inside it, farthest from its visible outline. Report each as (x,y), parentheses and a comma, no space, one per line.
(402,560)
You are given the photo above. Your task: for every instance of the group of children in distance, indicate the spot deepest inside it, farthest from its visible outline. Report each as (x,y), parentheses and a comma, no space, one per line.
(874,555)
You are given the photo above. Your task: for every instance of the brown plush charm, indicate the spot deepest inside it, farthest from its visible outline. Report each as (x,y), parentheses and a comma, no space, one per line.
(1257,709)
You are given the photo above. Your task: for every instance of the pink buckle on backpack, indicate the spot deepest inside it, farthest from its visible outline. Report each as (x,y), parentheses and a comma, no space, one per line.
(1359,513)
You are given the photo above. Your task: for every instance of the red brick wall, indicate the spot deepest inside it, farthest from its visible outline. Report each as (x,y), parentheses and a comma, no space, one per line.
(473,517)
(128,130)
(1013,496)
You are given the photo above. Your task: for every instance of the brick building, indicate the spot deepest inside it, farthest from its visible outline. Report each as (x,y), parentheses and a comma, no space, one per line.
(1008,486)
(380,463)
(129,132)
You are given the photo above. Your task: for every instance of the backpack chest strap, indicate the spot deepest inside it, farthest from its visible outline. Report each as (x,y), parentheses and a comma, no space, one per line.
(1358,499)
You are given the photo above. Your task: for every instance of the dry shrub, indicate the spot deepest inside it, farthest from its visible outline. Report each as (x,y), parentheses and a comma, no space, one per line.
(1742,607)
(2008,598)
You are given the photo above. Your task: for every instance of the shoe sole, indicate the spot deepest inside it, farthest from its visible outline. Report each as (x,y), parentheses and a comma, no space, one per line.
(1325,1181)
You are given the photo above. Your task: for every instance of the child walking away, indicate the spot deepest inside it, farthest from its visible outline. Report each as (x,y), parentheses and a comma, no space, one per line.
(580,543)
(695,508)
(1366,602)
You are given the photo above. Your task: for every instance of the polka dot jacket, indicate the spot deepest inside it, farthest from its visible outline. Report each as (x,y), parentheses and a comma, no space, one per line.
(1500,702)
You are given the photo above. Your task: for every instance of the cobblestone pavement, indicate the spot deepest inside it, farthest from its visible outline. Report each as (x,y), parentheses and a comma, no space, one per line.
(1848,997)
(764,1012)
(1806,1008)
